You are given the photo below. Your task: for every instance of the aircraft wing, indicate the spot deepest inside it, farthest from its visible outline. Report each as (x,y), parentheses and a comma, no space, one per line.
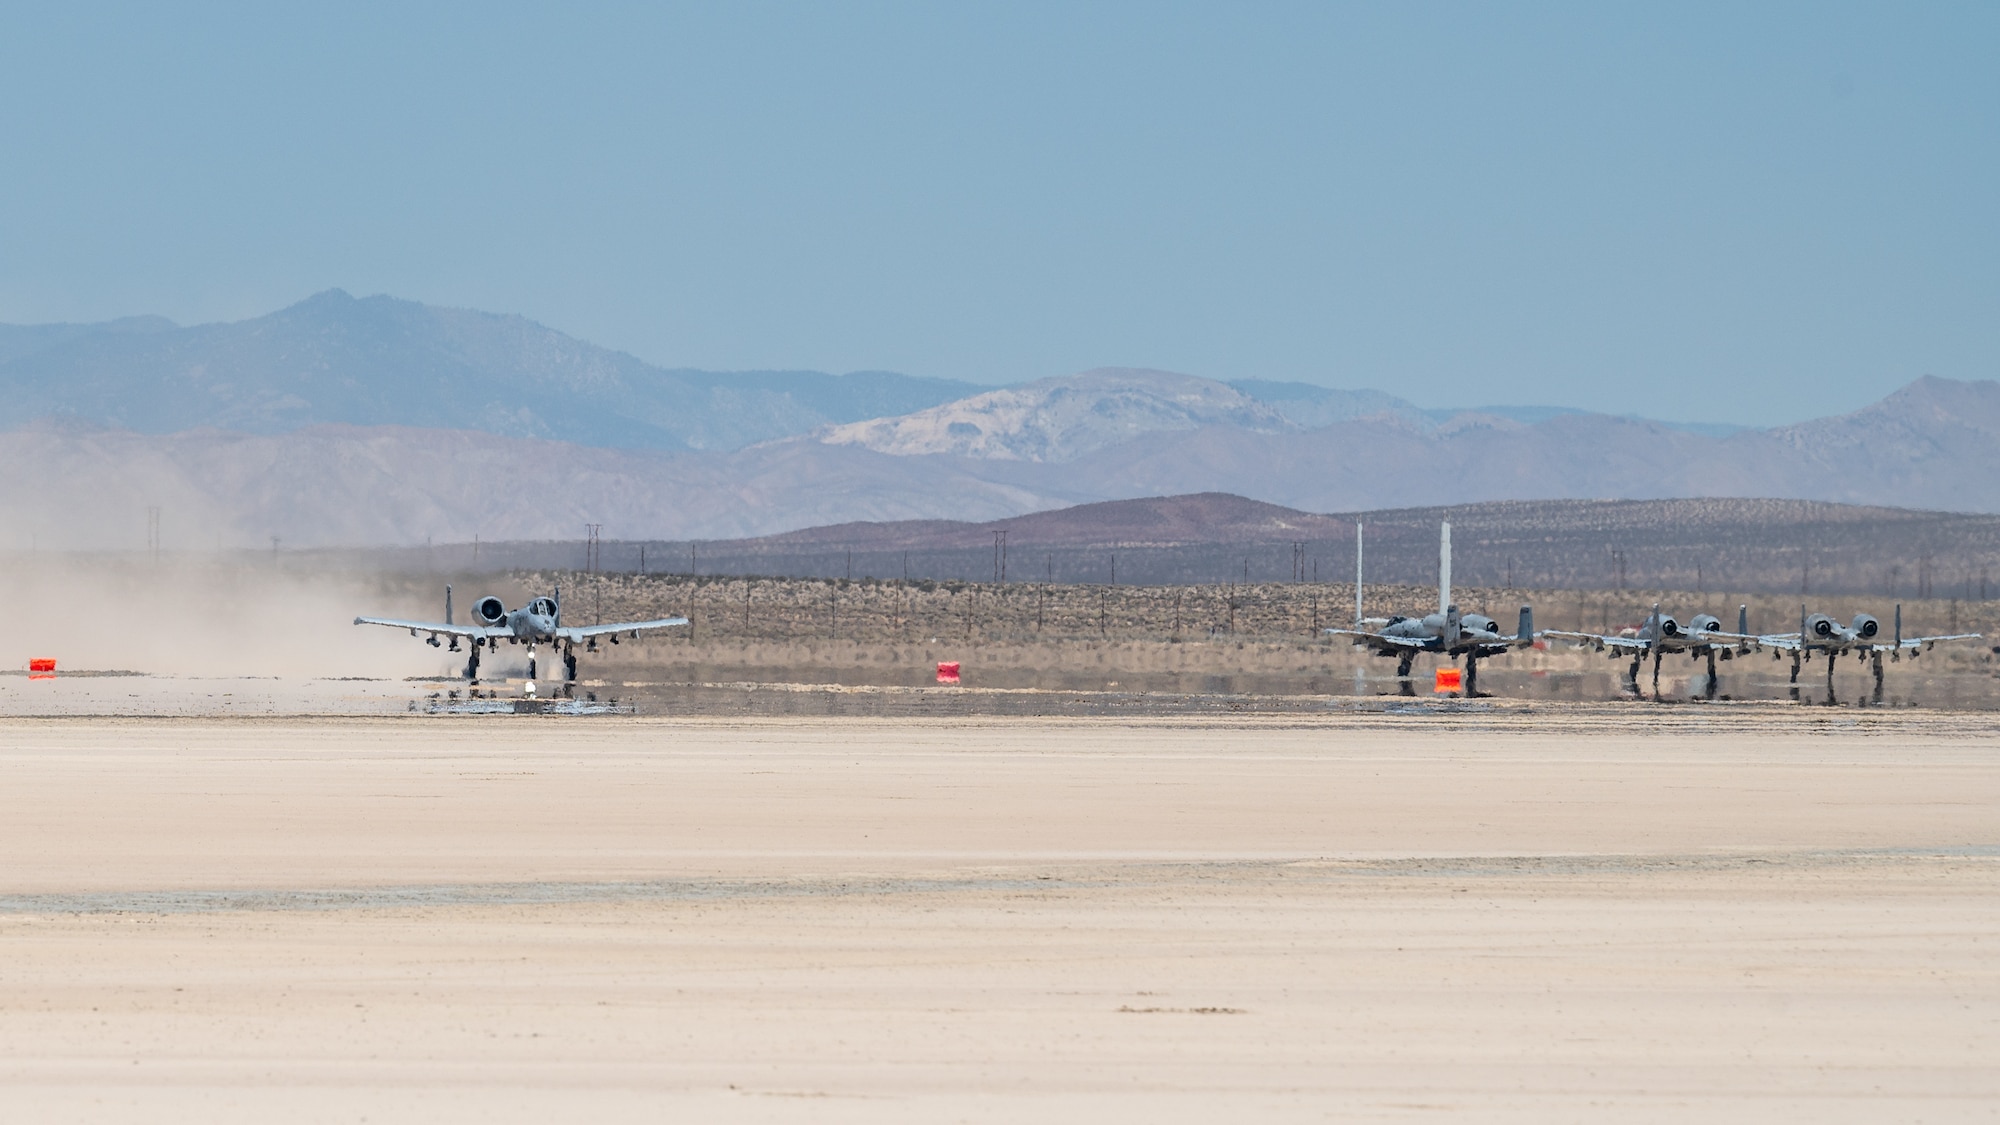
(1733,638)
(1909,643)
(1785,642)
(1492,644)
(1420,643)
(585,632)
(476,632)
(1630,643)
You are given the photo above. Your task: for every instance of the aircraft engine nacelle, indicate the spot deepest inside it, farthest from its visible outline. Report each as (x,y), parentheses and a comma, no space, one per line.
(1704,623)
(1669,627)
(489,611)
(1478,624)
(1865,626)
(1819,627)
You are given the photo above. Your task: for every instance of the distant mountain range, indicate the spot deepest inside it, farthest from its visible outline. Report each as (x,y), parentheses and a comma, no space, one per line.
(503,429)
(376,361)
(335,359)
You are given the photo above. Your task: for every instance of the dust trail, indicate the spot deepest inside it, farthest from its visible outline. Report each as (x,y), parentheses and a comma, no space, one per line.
(219,616)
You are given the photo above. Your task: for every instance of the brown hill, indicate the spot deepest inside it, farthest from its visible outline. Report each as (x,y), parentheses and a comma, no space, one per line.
(1747,546)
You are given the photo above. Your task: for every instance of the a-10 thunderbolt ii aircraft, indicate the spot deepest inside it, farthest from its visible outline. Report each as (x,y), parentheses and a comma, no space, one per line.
(1446,632)
(1820,633)
(538,622)
(1661,634)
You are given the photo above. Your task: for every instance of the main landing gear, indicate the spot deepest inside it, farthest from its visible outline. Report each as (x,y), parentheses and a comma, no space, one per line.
(1403,661)
(568,655)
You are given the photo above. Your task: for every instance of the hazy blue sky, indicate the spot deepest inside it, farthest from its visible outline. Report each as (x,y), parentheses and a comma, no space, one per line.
(1750,213)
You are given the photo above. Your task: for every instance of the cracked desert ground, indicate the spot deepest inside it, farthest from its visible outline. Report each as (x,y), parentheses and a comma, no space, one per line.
(1529,914)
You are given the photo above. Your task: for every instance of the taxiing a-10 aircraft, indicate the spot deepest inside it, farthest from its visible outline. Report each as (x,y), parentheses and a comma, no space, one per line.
(538,622)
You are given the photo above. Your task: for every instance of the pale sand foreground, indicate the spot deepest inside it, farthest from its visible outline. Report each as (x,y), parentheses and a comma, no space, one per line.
(1559,915)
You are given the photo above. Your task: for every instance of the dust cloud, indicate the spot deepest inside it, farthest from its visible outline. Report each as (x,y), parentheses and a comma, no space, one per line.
(207,616)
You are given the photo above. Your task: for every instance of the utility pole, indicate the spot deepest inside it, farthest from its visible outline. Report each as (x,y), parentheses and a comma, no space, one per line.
(1357,574)
(590,548)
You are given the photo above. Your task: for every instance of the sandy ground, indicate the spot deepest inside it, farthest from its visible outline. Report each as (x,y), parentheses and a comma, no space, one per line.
(1548,914)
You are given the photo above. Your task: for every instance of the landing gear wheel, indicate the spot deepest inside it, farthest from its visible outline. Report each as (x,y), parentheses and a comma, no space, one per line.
(569,667)
(1403,662)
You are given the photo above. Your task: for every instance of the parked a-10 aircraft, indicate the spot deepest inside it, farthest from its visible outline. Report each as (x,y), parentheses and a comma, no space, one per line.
(1446,632)
(538,622)
(1702,636)
(1820,633)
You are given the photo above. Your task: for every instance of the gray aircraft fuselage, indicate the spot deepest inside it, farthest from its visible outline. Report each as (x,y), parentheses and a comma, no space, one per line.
(1827,635)
(1668,635)
(1431,627)
(533,623)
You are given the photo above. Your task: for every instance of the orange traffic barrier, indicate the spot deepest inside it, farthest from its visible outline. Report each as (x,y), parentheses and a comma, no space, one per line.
(42,664)
(947,671)
(1449,680)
